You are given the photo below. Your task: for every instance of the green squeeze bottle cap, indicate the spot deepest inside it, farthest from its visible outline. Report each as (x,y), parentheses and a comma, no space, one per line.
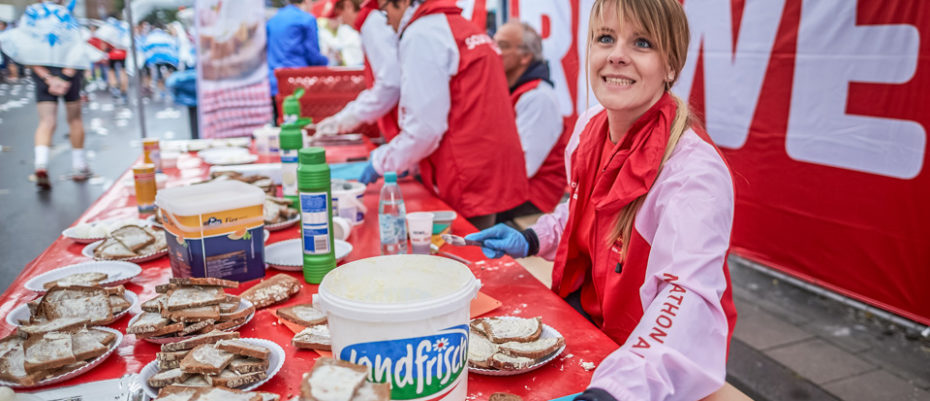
(291,106)
(291,138)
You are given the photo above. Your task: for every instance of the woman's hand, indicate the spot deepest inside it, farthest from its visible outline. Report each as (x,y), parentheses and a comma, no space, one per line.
(57,86)
(501,239)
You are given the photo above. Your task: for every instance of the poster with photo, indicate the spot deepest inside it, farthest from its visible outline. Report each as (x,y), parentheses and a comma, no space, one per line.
(233,96)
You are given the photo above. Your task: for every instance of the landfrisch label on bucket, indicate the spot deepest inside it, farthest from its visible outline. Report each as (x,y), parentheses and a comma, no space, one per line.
(417,368)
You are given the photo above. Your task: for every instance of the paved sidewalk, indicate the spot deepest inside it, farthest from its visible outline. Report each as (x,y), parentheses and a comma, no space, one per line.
(791,344)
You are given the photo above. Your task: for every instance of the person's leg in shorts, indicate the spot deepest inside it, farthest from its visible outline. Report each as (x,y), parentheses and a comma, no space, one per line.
(76,130)
(47,106)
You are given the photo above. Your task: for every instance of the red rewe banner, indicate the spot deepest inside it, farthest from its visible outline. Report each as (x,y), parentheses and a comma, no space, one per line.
(821,109)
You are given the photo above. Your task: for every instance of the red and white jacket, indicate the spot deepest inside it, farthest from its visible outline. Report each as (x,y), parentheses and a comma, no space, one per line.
(382,72)
(455,117)
(670,306)
(543,135)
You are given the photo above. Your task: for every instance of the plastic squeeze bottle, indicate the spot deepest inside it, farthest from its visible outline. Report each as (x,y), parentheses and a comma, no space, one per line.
(291,106)
(291,141)
(316,214)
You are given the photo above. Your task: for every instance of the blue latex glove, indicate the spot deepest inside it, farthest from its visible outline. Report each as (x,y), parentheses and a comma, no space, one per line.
(369,175)
(501,239)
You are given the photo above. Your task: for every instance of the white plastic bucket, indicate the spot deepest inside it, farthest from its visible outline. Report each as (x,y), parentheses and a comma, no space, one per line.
(347,200)
(406,318)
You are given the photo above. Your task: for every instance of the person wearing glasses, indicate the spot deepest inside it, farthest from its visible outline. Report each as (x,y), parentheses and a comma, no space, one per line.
(382,73)
(456,120)
(640,248)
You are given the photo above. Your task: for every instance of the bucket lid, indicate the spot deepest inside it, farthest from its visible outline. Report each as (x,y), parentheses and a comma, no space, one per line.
(208,198)
(397,288)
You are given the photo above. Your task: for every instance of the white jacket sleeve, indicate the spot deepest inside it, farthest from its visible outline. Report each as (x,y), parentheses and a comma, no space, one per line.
(549,227)
(379,41)
(428,60)
(678,350)
(539,124)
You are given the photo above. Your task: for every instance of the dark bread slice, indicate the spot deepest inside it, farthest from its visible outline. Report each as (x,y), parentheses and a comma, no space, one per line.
(191,297)
(196,327)
(167,365)
(92,303)
(303,314)
(164,331)
(243,348)
(502,330)
(195,314)
(87,345)
(206,359)
(81,279)
(507,362)
(373,392)
(504,397)
(203,281)
(147,322)
(118,304)
(155,304)
(534,349)
(132,237)
(231,379)
(480,350)
(12,362)
(48,351)
(248,365)
(208,338)
(178,394)
(63,324)
(314,337)
(276,289)
(226,394)
(167,377)
(236,314)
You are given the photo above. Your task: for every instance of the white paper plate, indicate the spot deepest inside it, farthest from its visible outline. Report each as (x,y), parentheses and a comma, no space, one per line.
(80,371)
(72,234)
(89,252)
(275,362)
(21,312)
(284,224)
(173,339)
(287,255)
(267,235)
(119,272)
(547,332)
(227,156)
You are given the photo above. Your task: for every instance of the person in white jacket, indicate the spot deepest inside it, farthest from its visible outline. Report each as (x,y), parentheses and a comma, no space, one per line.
(640,247)
(379,44)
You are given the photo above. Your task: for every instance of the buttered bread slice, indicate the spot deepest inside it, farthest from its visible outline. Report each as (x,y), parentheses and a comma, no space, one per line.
(501,330)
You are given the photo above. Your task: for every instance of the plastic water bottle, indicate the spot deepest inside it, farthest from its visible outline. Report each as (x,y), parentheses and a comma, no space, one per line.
(392,217)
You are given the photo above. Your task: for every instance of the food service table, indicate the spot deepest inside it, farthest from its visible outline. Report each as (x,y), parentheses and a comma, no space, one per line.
(504,279)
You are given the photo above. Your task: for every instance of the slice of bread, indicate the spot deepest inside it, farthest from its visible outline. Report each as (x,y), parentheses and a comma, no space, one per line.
(12,362)
(373,392)
(243,348)
(303,314)
(501,330)
(231,379)
(195,327)
(185,394)
(206,359)
(48,351)
(164,331)
(332,380)
(507,362)
(86,345)
(62,324)
(92,303)
(164,288)
(480,350)
(534,349)
(229,324)
(504,397)
(236,314)
(118,304)
(82,279)
(314,337)
(162,379)
(203,281)
(112,249)
(190,297)
(195,314)
(248,365)
(208,338)
(155,304)
(167,365)
(477,326)
(147,322)
(192,381)
(133,237)
(276,289)
(171,356)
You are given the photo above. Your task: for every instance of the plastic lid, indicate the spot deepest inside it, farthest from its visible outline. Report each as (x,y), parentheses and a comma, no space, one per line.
(208,198)
(291,137)
(312,155)
(390,177)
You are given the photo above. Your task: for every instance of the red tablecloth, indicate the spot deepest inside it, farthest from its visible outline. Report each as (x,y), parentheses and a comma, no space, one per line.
(503,279)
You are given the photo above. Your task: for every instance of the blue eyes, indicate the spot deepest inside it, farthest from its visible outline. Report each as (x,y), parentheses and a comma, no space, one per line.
(641,43)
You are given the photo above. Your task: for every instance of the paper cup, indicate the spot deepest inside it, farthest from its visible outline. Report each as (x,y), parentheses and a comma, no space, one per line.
(420,227)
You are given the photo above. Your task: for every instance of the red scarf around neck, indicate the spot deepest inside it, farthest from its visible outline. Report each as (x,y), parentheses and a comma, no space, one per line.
(628,174)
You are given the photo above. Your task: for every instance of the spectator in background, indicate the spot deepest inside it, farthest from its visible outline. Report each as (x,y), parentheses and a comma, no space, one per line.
(339,41)
(292,42)
(3,61)
(98,70)
(379,101)
(6,64)
(539,121)
(160,50)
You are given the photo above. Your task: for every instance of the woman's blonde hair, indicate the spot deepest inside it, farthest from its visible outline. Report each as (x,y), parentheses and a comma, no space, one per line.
(665,23)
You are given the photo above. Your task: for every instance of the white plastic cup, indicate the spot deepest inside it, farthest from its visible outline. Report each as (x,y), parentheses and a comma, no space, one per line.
(341,228)
(403,313)
(420,227)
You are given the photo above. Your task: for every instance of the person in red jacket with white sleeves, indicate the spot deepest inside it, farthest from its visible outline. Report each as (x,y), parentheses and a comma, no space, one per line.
(382,73)
(455,116)
(640,247)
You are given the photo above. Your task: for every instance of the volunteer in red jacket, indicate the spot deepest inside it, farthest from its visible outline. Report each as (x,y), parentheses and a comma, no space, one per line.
(455,117)
(382,73)
(641,245)
(539,120)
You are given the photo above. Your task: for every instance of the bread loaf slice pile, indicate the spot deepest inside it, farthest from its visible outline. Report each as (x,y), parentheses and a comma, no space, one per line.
(190,306)
(131,241)
(215,359)
(28,358)
(335,380)
(278,210)
(98,305)
(509,343)
(316,333)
